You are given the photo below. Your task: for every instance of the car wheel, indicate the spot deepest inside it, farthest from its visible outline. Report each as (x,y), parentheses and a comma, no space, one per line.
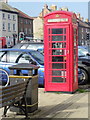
(84,78)
(4,77)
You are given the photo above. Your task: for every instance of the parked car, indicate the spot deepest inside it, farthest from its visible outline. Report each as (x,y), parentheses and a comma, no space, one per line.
(29,45)
(84,49)
(9,57)
(84,64)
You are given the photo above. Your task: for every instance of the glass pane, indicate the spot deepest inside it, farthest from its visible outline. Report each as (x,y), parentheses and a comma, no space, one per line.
(58,45)
(58,79)
(57,38)
(64,38)
(58,65)
(57,31)
(64,31)
(58,52)
(58,58)
(59,73)
(49,30)
(49,38)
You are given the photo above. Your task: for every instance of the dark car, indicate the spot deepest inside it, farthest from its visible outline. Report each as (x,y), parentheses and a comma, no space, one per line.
(9,57)
(83,57)
(84,64)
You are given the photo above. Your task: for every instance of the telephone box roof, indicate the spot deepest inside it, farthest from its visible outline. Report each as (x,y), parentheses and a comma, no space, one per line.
(61,12)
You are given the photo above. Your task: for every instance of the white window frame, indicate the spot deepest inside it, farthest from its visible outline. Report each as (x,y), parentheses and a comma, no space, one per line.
(3,15)
(3,26)
(9,17)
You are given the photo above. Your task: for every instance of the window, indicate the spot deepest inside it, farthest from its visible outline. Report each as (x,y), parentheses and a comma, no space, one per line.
(82,36)
(13,27)
(21,20)
(82,29)
(25,30)
(30,31)
(9,16)
(21,29)
(14,17)
(3,26)
(57,31)
(29,22)
(26,21)
(9,27)
(3,15)
(4,58)
(10,56)
(25,58)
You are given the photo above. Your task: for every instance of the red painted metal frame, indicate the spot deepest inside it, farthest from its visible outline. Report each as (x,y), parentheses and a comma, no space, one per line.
(68,22)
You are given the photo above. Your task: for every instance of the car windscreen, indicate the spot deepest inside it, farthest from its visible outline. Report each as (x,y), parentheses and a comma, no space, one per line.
(81,53)
(38,57)
(34,46)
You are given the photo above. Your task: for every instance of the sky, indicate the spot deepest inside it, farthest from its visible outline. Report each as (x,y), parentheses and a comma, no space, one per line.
(34,7)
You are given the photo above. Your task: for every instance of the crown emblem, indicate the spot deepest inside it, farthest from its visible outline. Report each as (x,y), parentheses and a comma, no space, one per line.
(57,15)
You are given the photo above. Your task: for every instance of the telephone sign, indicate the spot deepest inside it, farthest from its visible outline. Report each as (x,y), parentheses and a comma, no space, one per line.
(61,51)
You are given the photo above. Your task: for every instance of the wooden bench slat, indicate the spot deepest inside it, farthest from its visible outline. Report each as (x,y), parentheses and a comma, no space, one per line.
(12,98)
(11,86)
(12,89)
(11,93)
(9,103)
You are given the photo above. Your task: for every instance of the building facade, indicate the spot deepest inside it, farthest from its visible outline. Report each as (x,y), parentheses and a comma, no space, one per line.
(25,26)
(9,24)
(38,23)
(83,26)
(83,30)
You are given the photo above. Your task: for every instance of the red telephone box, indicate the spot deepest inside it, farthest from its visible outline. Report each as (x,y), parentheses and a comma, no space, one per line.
(61,51)
(2,42)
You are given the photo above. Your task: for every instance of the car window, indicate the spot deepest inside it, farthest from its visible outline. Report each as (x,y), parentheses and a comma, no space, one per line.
(81,53)
(3,58)
(24,58)
(38,57)
(2,53)
(11,56)
(23,46)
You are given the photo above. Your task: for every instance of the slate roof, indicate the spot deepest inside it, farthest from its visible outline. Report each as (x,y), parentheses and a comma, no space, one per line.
(6,7)
(84,24)
(22,14)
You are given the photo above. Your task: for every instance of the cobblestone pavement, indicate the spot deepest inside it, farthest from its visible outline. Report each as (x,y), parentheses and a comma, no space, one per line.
(59,105)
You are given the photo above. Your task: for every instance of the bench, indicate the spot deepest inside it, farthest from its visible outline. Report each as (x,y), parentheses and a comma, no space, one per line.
(14,95)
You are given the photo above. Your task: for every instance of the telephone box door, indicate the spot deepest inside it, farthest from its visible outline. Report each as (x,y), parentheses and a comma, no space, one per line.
(57,52)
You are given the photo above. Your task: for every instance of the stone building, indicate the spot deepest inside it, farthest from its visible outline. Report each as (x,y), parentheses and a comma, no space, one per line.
(9,23)
(38,21)
(83,30)
(25,25)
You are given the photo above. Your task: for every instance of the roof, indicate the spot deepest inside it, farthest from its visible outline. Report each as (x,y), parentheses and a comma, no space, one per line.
(19,50)
(81,23)
(22,14)
(5,6)
(60,12)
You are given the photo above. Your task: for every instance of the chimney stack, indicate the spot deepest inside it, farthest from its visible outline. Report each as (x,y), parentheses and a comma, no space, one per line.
(78,15)
(5,1)
(82,18)
(87,20)
(64,9)
(53,7)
